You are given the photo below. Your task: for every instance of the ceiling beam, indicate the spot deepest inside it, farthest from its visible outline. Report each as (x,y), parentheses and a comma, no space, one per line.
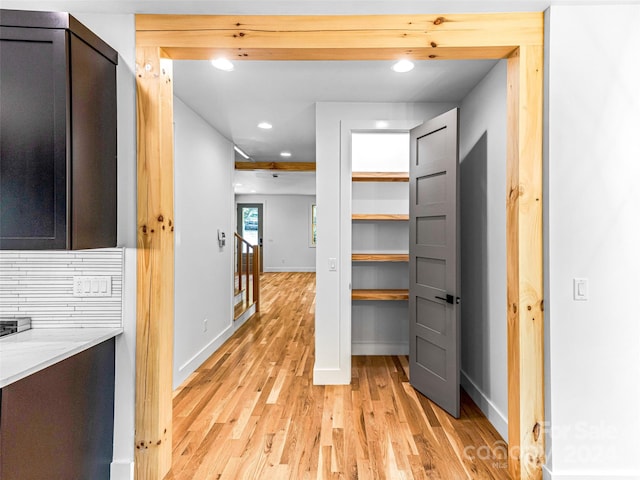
(279,166)
(362,37)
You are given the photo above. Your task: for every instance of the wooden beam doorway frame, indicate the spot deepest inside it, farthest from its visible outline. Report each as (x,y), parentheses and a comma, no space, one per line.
(517,37)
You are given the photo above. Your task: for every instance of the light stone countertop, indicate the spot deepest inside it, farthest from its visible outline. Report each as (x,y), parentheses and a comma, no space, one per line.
(28,352)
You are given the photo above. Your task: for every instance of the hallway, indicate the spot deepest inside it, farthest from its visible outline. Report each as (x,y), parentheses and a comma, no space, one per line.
(251,411)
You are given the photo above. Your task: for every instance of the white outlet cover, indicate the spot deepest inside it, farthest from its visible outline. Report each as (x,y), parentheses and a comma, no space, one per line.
(86,286)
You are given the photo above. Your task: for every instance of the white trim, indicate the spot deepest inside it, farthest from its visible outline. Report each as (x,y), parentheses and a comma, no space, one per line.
(289,269)
(600,475)
(246,315)
(199,358)
(387,348)
(122,471)
(492,412)
(331,376)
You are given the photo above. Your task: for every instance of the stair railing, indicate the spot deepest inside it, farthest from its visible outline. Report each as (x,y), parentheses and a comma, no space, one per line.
(247,275)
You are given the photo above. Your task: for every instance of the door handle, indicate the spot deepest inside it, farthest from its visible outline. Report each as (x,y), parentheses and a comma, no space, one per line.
(449,299)
(260,242)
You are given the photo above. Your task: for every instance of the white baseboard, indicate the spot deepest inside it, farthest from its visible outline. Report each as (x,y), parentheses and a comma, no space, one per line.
(121,470)
(246,315)
(289,269)
(198,359)
(366,348)
(490,410)
(600,475)
(331,376)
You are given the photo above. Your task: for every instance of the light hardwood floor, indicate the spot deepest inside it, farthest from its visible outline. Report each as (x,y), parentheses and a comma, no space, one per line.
(251,410)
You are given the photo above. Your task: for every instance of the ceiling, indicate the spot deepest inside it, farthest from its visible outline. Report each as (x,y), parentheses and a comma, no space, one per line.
(284,94)
(296,7)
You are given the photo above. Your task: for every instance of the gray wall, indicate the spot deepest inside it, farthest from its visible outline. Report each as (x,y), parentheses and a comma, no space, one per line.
(286,232)
(203,270)
(483,143)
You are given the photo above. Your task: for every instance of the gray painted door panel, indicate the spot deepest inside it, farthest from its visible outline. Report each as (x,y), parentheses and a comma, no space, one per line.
(433,262)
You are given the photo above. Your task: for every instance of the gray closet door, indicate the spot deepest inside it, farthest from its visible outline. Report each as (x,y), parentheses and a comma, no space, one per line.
(434,264)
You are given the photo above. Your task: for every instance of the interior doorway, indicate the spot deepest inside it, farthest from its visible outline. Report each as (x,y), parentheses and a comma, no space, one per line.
(518,37)
(250,226)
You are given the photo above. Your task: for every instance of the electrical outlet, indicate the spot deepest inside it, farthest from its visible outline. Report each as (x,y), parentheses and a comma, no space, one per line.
(85,286)
(204,324)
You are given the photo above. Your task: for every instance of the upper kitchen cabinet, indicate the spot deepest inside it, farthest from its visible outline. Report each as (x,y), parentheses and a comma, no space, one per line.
(58,142)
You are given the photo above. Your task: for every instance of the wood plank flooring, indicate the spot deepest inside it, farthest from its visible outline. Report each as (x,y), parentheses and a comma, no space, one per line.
(251,410)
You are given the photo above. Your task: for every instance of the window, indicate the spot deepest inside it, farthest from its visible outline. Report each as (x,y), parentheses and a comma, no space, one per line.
(314,229)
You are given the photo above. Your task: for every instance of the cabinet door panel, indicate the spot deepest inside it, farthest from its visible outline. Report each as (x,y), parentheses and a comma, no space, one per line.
(58,423)
(33,120)
(94,145)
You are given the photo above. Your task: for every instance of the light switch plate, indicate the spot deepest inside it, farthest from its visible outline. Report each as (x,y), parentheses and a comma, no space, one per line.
(580,289)
(333,264)
(85,286)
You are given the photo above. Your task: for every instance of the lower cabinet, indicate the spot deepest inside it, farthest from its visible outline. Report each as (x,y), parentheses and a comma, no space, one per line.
(58,423)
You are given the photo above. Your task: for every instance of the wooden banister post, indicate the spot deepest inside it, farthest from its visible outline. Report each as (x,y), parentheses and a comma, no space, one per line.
(239,250)
(256,277)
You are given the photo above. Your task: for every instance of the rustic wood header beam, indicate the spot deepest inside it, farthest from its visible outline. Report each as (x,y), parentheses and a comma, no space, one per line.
(365,37)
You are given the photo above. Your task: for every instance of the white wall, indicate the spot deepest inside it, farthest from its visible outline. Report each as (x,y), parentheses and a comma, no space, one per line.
(483,158)
(286,231)
(592,225)
(333,300)
(204,165)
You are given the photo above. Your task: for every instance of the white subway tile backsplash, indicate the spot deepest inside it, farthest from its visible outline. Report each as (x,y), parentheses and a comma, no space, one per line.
(39,284)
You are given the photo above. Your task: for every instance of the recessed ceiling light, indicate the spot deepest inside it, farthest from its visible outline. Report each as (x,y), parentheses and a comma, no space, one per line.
(253,191)
(265,125)
(403,66)
(285,154)
(382,124)
(222,64)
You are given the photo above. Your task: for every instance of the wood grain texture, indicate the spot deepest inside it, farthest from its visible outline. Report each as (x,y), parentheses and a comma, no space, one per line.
(380,216)
(380,294)
(356,37)
(251,410)
(380,177)
(256,277)
(525,320)
(279,166)
(425,53)
(380,257)
(154,328)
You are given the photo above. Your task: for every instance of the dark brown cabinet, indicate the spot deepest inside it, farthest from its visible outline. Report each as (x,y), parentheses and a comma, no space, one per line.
(58,143)
(58,423)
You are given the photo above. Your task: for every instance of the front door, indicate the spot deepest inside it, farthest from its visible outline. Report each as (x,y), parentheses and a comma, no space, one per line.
(434,284)
(250,226)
